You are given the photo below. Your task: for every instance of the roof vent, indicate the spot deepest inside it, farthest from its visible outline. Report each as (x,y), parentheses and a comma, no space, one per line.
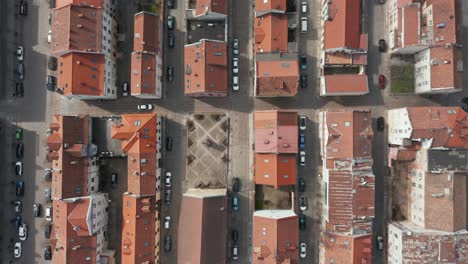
(80,15)
(79,26)
(441,25)
(446,61)
(285,145)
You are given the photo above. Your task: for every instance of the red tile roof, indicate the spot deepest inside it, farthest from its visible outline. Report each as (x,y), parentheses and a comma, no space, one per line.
(275,169)
(96,3)
(347,249)
(269,5)
(342,29)
(277,78)
(205,70)
(76,28)
(271,33)
(203,226)
(203,7)
(275,237)
(346,84)
(81,74)
(143,73)
(146,28)
(276,131)
(445,74)
(138,229)
(443,11)
(410,26)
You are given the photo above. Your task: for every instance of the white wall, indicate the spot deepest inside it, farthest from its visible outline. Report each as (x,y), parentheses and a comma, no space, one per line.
(416,203)
(395,245)
(399,126)
(422,71)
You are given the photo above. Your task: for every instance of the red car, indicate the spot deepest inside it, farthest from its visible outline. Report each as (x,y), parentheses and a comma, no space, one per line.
(382,81)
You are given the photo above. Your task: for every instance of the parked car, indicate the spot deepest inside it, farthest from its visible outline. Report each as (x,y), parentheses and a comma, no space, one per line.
(382,81)
(23,232)
(464,104)
(48,214)
(47,231)
(51,83)
(235,46)
(303,250)
(235,83)
(303,24)
(171,40)
(304,7)
(51,4)
(37,210)
(48,174)
(301,140)
(145,107)
(19,90)
(235,252)
(19,53)
(20,188)
(301,184)
(169,143)
(19,150)
(302,222)
(17,250)
(48,195)
(382,45)
(303,62)
(235,184)
(125,90)
(20,71)
(170,22)
(19,168)
(302,122)
(235,65)
(18,221)
(380,242)
(303,80)
(23,8)
(19,134)
(47,253)
(114,179)
(302,158)
(167,222)
(167,243)
(235,202)
(52,63)
(167,196)
(168,179)
(303,203)
(49,36)
(18,206)
(235,236)
(170,73)
(380,123)
(49,17)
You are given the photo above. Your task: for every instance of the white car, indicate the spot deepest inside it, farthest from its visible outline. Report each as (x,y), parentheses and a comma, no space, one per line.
(18,206)
(19,168)
(17,249)
(302,122)
(304,7)
(235,253)
(302,158)
(49,36)
(125,89)
(23,232)
(235,83)
(167,221)
(145,107)
(303,250)
(48,214)
(19,53)
(168,179)
(235,47)
(380,242)
(235,65)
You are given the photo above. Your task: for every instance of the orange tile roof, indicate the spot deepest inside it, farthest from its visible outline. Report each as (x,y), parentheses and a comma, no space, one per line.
(81,74)
(410,27)
(271,33)
(347,249)
(76,28)
(70,168)
(138,135)
(275,237)
(445,74)
(96,3)
(269,5)
(206,68)
(277,78)
(345,84)
(275,169)
(443,11)
(203,7)
(276,131)
(342,29)
(138,229)
(143,73)
(446,125)
(146,28)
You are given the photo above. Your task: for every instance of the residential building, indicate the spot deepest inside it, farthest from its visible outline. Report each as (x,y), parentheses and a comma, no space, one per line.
(338,248)
(277,78)
(146,64)
(211,8)
(140,134)
(206,19)
(75,166)
(203,227)
(271,32)
(344,49)
(84,39)
(205,69)
(276,147)
(275,237)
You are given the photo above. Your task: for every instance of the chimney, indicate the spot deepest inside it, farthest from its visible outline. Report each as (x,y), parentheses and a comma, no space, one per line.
(78,62)
(80,15)
(79,26)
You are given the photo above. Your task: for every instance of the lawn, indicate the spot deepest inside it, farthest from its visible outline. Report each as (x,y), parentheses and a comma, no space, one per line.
(402,79)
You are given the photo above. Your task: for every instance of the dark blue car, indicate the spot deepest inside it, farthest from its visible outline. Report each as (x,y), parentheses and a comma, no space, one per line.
(302,141)
(19,188)
(18,221)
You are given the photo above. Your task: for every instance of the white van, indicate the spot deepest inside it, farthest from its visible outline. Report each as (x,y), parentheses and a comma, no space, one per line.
(304,7)
(48,214)
(235,83)
(167,221)
(303,24)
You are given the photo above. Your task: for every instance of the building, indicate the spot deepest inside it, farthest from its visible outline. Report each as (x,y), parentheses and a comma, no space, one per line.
(206,19)
(205,69)
(271,32)
(203,227)
(276,78)
(211,8)
(84,39)
(146,60)
(79,228)
(344,49)
(276,147)
(75,166)
(348,185)
(140,135)
(275,237)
